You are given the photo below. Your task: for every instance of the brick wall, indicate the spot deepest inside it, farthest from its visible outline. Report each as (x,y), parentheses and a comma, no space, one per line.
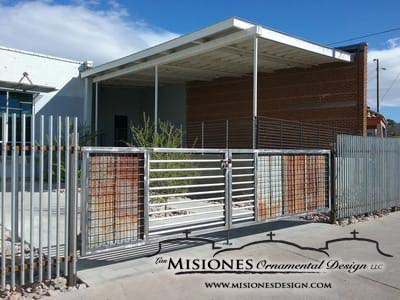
(331,94)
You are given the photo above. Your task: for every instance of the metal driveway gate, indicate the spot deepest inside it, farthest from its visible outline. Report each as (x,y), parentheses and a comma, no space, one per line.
(134,196)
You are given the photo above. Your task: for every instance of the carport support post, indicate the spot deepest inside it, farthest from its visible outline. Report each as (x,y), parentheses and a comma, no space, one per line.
(96,111)
(88,103)
(155,98)
(255,84)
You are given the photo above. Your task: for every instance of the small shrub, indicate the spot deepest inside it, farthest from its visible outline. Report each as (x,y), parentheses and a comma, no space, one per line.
(167,136)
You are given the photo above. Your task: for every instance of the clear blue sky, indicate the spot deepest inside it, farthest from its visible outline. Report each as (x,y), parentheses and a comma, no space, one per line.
(319,20)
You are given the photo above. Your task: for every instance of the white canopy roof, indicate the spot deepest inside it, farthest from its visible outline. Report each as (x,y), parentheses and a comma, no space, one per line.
(224,49)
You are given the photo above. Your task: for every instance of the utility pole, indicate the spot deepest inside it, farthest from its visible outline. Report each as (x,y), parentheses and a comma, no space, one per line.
(377,82)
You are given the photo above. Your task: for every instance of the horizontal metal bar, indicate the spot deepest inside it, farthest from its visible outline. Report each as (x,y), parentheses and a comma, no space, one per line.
(242,182)
(244,201)
(187,228)
(242,196)
(187,215)
(184,208)
(186,194)
(184,170)
(113,149)
(243,219)
(243,168)
(241,159)
(242,175)
(243,214)
(200,150)
(186,178)
(186,201)
(184,160)
(189,150)
(243,207)
(186,222)
(171,187)
(243,189)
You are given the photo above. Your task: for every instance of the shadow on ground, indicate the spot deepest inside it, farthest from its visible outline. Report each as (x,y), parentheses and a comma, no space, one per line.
(135,252)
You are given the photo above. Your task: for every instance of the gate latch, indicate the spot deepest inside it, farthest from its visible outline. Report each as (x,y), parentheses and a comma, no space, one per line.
(225,163)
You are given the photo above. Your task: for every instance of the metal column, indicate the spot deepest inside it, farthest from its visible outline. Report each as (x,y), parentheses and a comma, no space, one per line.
(155,98)
(96,111)
(255,85)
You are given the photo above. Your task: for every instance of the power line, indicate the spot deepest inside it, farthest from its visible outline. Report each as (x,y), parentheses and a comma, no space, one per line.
(364,36)
(391,85)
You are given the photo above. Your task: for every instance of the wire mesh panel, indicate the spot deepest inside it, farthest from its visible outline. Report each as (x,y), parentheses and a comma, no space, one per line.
(114,199)
(292,182)
(187,190)
(270,186)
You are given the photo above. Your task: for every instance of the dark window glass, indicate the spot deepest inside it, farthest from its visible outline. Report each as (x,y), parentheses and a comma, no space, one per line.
(3,101)
(120,130)
(18,103)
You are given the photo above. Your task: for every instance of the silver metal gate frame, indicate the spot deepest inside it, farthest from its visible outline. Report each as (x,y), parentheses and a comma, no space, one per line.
(228,160)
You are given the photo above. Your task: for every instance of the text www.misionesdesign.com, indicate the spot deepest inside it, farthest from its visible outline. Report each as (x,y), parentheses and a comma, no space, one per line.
(268,285)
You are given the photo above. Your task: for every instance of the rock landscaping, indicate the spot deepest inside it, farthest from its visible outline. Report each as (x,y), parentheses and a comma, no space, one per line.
(325,217)
(39,290)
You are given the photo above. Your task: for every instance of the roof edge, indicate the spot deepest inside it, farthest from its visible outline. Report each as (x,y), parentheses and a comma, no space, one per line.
(41,55)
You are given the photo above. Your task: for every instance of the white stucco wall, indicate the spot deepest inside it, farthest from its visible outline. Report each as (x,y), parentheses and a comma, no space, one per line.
(60,73)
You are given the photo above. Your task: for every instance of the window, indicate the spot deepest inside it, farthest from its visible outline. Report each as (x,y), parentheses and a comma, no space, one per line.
(120,130)
(17,103)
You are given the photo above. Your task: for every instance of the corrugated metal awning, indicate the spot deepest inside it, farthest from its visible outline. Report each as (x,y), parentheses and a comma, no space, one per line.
(26,87)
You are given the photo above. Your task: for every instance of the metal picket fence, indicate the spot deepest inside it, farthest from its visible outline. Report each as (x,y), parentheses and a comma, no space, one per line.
(134,196)
(39,197)
(367,174)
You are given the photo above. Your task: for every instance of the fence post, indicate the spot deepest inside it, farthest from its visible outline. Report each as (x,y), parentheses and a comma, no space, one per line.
(255,161)
(227,164)
(332,184)
(3,197)
(146,194)
(13,196)
(72,237)
(22,182)
(49,195)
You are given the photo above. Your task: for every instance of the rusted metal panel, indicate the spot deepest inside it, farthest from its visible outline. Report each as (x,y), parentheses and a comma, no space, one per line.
(116,199)
(292,184)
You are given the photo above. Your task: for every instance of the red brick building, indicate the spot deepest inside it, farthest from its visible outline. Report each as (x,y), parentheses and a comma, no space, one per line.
(376,124)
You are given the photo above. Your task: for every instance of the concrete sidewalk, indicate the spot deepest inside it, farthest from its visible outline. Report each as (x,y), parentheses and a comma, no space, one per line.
(143,279)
